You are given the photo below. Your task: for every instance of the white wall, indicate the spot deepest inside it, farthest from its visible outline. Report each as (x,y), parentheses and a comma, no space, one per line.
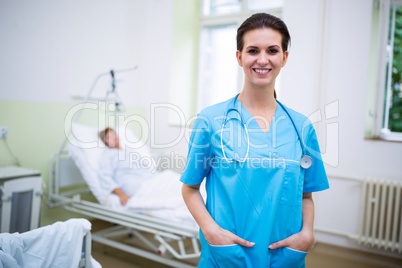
(314,78)
(51,50)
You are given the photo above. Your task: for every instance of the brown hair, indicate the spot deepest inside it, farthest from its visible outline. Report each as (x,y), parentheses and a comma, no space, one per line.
(263,20)
(102,134)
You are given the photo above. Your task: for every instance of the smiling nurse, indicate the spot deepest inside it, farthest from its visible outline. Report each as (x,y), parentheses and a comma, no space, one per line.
(261,161)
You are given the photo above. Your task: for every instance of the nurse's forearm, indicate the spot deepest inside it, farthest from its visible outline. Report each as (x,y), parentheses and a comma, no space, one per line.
(303,240)
(213,233)
(195,204)
(308,213)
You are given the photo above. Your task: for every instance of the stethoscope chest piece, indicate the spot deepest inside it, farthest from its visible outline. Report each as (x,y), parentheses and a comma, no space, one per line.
(306,161)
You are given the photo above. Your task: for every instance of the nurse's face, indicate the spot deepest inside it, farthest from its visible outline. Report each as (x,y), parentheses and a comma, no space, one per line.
(262,57)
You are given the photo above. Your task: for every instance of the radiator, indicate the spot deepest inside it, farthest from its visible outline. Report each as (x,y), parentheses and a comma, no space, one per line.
(380,222)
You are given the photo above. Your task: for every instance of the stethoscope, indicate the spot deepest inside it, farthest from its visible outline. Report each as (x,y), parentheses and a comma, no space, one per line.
(305,161)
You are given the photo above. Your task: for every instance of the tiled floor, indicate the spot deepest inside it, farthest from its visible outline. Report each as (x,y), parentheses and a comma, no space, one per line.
(321,256)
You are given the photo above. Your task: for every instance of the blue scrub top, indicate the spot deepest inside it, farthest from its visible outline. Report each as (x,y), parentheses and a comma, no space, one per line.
(260,199)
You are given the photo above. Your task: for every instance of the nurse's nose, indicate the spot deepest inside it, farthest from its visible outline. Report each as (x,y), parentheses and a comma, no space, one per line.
(263,59)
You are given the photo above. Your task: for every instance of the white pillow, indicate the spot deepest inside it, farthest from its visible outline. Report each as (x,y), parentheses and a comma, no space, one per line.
(86,139)
(85,149)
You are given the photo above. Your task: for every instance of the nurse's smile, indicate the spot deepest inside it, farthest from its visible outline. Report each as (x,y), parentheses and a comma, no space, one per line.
(262,71)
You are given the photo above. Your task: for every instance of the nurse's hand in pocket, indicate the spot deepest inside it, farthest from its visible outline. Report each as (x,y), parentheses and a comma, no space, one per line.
(218,236)
(302,241)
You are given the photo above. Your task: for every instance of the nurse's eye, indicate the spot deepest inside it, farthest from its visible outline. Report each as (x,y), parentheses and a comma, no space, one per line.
(253,51)
(272,51)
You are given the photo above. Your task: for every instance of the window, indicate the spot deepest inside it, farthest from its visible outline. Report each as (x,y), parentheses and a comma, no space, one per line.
(218,66)
(219,76)
(392,115)
(384,98)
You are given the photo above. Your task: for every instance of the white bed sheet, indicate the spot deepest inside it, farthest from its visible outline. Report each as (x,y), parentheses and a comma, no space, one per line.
(158,197)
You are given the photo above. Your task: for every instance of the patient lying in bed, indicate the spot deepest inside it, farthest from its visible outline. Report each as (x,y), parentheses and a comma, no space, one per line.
(119,171)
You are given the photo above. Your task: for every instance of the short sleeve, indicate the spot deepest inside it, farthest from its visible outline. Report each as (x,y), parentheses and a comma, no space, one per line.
(199,152)
(315,177)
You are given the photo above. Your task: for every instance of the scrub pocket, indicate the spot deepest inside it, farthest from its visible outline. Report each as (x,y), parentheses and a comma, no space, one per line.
(229,256)
(287,257)
(292,186)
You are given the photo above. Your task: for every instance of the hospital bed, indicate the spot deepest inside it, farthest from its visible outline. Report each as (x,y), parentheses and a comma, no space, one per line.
(162,237)
(62,244)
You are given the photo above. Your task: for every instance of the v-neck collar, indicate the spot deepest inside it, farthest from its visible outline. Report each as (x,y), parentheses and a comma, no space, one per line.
(249,119)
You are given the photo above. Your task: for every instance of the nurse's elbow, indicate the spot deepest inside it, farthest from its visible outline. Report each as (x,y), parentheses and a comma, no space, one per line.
(183,190)
(187,189)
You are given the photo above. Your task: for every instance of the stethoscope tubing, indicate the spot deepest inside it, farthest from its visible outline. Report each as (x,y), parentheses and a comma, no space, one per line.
(305,161)
(244,125)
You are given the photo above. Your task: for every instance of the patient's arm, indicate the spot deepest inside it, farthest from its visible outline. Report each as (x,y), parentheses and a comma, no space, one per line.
(123,197)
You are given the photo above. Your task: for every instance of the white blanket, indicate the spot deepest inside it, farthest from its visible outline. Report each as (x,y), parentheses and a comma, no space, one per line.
(58,245)
(159,197)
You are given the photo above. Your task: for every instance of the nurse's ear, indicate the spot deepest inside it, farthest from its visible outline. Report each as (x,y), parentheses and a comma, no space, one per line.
(285,58)
(239,58)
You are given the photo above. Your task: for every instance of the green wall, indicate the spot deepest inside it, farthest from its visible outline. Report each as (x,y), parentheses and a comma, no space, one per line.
(35,132)
(184,53)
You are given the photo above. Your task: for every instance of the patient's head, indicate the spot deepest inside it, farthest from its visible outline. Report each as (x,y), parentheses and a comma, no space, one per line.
(110,138)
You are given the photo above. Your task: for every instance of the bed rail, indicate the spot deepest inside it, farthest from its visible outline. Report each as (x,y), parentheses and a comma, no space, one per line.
(85,260)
